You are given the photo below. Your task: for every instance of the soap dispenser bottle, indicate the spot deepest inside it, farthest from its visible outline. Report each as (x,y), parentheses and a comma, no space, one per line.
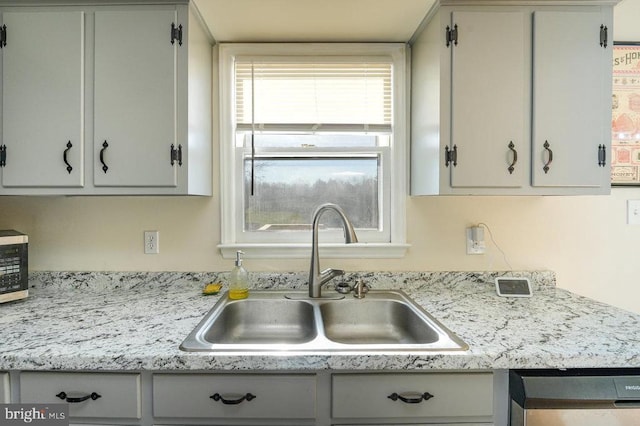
(238,280)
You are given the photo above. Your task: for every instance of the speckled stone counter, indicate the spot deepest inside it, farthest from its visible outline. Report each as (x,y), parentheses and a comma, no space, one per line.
(136,321)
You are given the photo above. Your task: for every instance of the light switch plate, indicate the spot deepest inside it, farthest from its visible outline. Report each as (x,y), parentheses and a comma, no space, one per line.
(633,212)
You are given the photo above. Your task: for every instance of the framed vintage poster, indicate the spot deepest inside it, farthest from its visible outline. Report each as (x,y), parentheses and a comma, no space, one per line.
(625,123)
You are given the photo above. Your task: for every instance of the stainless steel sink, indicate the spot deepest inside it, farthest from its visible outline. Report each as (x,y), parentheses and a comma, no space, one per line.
(376,321)
(263,321)
(384,321)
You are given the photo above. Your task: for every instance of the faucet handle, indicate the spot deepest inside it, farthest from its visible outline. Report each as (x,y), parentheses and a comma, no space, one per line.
(329,274)
(359,289)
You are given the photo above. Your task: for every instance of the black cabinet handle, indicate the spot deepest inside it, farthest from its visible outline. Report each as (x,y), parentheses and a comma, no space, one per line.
(64,157)
(411,398)
(550,158)
(217,397)
(512,147)
(105,145)
(63,395)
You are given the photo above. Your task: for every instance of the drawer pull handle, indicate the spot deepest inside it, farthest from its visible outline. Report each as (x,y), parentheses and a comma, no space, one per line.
(217,397)
(93,396)
(411,398)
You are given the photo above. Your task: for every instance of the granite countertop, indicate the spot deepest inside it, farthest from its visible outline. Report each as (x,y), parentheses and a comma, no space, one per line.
(136,321)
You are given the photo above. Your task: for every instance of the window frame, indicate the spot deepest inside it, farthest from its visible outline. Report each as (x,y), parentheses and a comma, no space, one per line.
(337,236)
(394,173)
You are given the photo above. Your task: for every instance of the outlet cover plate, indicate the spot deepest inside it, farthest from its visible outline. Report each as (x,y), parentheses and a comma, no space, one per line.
(477,248)
(151,242)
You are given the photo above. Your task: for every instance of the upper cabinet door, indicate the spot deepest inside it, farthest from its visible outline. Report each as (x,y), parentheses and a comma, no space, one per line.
(570,76)
(43,99)
(135,98)
(489,100)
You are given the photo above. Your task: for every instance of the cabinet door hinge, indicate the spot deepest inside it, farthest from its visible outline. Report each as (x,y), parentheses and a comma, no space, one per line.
(452,35)
(3,155)
(604,36)
(176,155)
(602,155)
(451,156)
(176,34)
(3,36)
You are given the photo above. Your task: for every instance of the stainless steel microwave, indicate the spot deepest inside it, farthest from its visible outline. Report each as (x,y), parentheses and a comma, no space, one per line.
(14,277)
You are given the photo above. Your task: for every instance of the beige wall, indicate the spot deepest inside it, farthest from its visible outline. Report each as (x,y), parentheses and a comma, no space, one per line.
(585,240)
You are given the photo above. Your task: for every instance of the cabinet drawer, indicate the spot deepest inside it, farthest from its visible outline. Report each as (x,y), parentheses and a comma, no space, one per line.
(119,393)
(454,395)
(5,395)
(276,396)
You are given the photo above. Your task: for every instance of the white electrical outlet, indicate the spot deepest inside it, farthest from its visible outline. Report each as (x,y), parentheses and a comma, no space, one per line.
(475,240)
(633,212)
(151,242)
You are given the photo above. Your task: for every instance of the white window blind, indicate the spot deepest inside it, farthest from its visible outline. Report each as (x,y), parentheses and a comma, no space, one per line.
(329,95)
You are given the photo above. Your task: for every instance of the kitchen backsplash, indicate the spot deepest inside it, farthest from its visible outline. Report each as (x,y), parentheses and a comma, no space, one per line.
(269,280)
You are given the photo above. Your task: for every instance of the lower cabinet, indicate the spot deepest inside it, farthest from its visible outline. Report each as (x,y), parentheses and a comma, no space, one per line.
(89,395)
(314,398)
(237,396)
(450,398)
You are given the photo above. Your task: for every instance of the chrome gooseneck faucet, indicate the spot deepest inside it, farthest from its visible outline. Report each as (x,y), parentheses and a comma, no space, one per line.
(316,278)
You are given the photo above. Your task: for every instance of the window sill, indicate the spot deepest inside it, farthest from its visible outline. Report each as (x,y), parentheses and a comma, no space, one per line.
(299,251)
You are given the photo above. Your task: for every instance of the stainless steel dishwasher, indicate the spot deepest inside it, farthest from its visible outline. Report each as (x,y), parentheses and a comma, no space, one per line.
(593,397)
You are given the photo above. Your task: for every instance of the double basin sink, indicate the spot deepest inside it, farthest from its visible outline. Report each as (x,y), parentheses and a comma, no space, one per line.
(281,321)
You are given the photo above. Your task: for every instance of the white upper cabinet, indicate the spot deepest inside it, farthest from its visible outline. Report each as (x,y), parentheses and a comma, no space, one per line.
(488,93)
(571,99)
(135,98)
(512,100)
(118,102)
(43,99)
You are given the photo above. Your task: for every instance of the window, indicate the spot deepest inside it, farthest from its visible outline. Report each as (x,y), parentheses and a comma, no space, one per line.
(303,125)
